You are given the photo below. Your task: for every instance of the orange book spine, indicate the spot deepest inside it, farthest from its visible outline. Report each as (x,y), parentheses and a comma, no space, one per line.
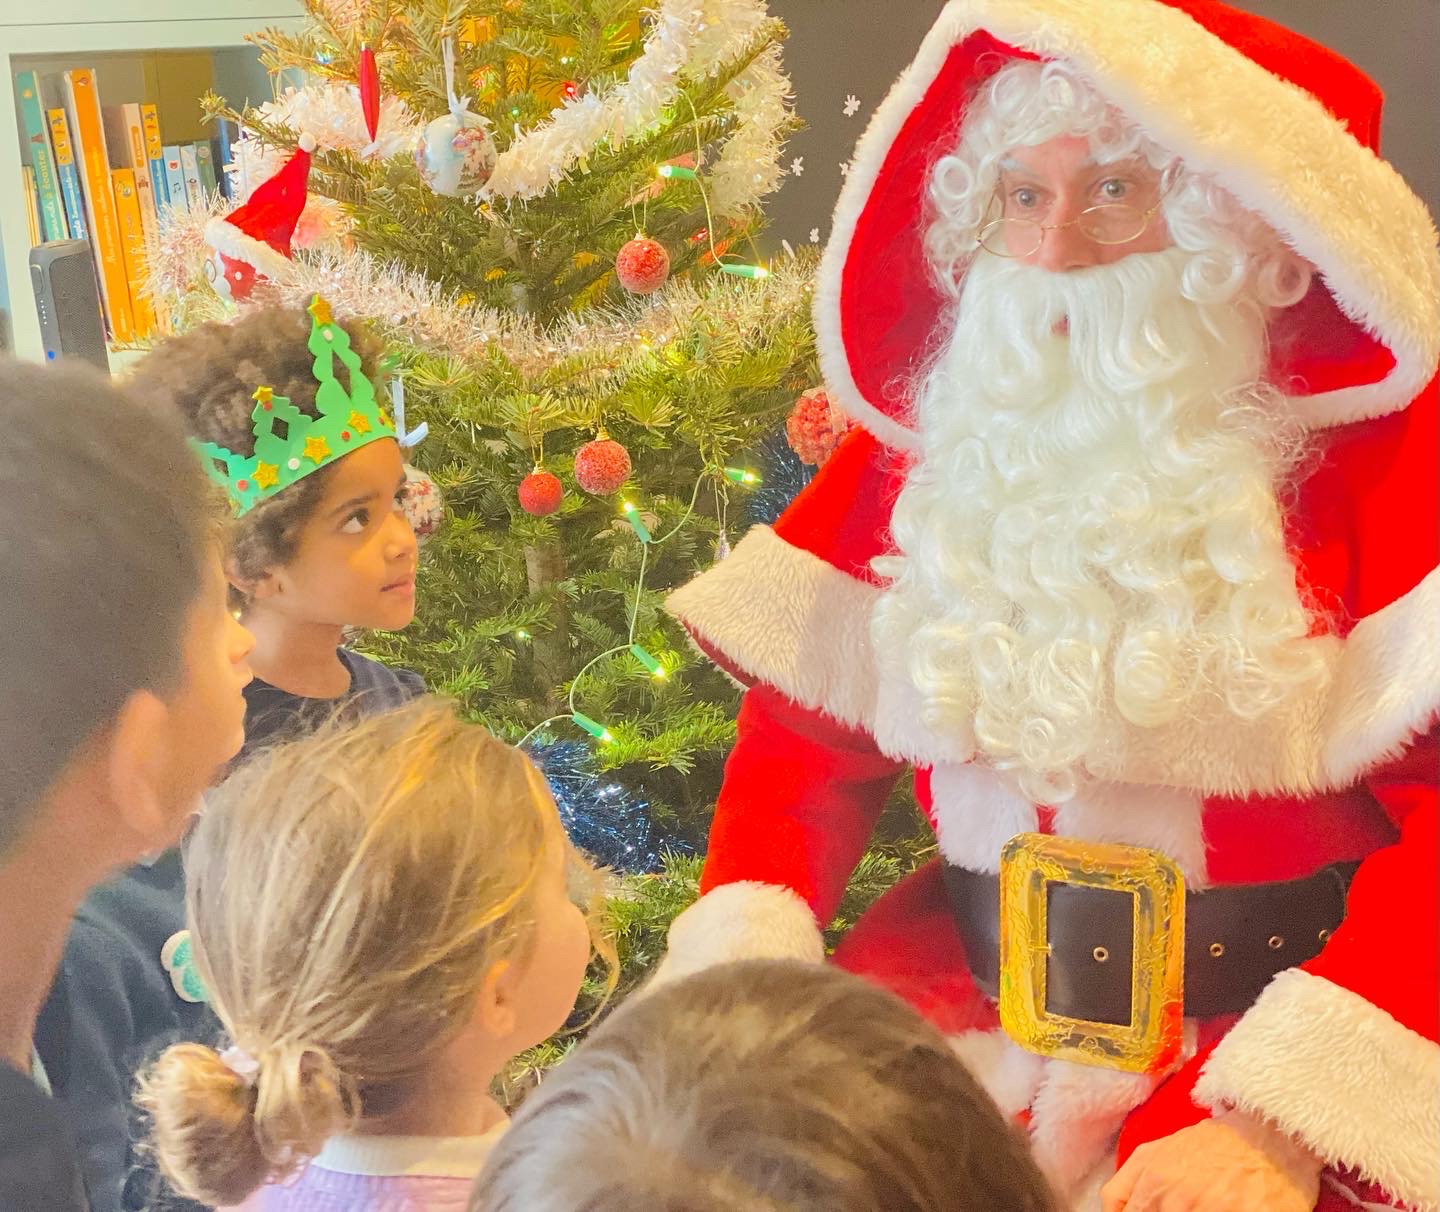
(89,136)
(132,246)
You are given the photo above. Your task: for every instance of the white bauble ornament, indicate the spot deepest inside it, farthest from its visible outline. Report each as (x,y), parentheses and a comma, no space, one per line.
(423,506)
(455,155)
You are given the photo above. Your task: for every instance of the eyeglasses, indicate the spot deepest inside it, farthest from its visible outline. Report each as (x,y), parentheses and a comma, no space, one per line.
(1110,223)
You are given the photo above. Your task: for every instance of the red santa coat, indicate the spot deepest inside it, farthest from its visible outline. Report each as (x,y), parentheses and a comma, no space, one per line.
(1342,1050)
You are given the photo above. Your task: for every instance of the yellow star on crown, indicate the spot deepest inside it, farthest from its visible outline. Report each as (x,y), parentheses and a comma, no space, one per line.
(267,475)
(321,311)
(317,449)
(263,395)
(358,423)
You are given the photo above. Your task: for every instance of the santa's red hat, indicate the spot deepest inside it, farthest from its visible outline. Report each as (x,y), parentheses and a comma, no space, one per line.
(1289,128)
(256,235)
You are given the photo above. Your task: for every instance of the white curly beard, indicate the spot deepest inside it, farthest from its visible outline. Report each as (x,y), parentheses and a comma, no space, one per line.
(1091,543)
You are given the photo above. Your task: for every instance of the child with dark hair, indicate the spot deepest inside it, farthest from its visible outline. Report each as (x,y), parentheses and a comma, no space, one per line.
(123,676)
(283,409)
(763,1086)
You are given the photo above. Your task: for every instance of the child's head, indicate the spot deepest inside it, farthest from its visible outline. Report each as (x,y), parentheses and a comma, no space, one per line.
(123,668)
(760,1087)
(334,547)
(367,905)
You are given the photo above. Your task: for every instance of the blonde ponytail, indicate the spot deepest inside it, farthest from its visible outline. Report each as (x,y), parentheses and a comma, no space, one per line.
(202,1117)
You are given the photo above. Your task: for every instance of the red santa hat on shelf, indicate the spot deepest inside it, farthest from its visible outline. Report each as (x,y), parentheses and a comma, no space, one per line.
(253,240)
(1288,127)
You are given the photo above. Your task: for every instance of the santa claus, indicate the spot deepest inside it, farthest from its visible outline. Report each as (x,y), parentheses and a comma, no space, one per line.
(1133,563)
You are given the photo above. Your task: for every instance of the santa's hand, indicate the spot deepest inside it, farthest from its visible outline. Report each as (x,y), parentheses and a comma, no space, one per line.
(1232,1163)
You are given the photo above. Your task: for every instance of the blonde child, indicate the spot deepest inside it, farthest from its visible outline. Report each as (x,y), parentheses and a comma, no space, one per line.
(381,917)
(764,1086)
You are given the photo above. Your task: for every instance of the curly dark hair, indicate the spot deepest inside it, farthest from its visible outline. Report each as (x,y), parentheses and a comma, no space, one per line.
(210,374)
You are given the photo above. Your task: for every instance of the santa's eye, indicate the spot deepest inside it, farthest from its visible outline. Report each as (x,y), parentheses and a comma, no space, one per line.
(1025,198)
(1114,190)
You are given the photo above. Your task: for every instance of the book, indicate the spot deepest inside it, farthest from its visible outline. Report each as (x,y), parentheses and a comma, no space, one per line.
(175,179)
(32,205)
(155,155)
(205,161)
(37,136)
(69,175)
(140,165)
(132,244)
(87,131)
(190,170)
(225,138)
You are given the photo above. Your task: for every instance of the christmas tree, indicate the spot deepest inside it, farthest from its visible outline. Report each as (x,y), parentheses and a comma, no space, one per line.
(547,208)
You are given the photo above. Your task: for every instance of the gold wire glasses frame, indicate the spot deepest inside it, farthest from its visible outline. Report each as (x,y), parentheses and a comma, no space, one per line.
(1109,223)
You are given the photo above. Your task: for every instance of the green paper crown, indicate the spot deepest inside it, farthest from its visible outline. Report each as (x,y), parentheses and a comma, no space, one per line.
(348,420)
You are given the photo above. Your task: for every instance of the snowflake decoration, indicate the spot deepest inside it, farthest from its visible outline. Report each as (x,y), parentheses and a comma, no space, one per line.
(797,166)
(852,105)
(845,168)
(814,235)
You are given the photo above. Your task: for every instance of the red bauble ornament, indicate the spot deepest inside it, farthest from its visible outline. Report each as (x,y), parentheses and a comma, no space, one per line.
(642,265)
(369,82)
(602,466)
(540,493)
(815,427)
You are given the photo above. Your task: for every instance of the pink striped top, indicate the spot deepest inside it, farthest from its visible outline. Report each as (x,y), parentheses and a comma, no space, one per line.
(358,1173)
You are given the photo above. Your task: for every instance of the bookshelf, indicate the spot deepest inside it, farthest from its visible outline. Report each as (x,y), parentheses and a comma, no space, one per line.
(166,52)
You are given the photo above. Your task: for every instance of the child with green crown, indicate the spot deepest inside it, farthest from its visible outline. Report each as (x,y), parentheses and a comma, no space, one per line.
(284,417)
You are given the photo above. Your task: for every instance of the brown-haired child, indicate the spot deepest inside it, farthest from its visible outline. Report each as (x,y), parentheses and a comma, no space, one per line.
(762,1086)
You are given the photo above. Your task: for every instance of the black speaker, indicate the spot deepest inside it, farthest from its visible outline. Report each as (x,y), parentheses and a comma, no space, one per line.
(68,300)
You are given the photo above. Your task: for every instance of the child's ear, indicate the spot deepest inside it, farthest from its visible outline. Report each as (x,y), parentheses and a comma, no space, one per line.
(136,765)
(495,1003)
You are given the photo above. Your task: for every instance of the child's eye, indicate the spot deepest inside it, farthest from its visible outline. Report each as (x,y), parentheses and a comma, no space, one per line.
(356,522)
(401,496)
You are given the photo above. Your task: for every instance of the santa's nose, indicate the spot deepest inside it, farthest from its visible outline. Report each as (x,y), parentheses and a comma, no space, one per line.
(1066,248)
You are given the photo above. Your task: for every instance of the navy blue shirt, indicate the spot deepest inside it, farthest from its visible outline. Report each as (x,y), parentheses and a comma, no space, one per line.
(39,1168)
(124,993)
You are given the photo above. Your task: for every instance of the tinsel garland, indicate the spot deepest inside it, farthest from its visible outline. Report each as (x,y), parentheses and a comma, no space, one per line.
(423,315)
(602,817)
(748,168)
(689,39)
(782,476)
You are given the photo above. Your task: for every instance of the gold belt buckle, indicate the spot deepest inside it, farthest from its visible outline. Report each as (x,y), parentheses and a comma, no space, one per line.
(1029,864)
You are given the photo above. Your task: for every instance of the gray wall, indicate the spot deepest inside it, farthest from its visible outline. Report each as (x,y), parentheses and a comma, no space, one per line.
(840,47)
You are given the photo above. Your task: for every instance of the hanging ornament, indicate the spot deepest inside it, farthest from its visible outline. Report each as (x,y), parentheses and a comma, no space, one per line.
(424,506)
(369,90)
(602,466)
(815,427)
(642,265)
(570,90)
(722,547)
(254,241)
(455,155)
(540,493)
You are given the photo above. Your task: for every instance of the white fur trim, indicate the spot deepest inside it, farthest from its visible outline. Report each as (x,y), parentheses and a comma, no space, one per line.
(1167,819)
(976,812)
(744,920)
(225,237)
(1006,1072)
(801,625)
(792,619)
(306,142)
(1387,686)
(1274,147)
(1334,1070)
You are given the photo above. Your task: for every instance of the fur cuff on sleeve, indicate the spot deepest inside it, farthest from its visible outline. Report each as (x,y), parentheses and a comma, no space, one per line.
(1338,1073)
(740,921)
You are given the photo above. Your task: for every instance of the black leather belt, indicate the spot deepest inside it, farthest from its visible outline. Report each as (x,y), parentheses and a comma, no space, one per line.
(1237,937)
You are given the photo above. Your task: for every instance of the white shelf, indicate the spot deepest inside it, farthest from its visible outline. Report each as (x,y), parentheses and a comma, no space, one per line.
(83,33)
